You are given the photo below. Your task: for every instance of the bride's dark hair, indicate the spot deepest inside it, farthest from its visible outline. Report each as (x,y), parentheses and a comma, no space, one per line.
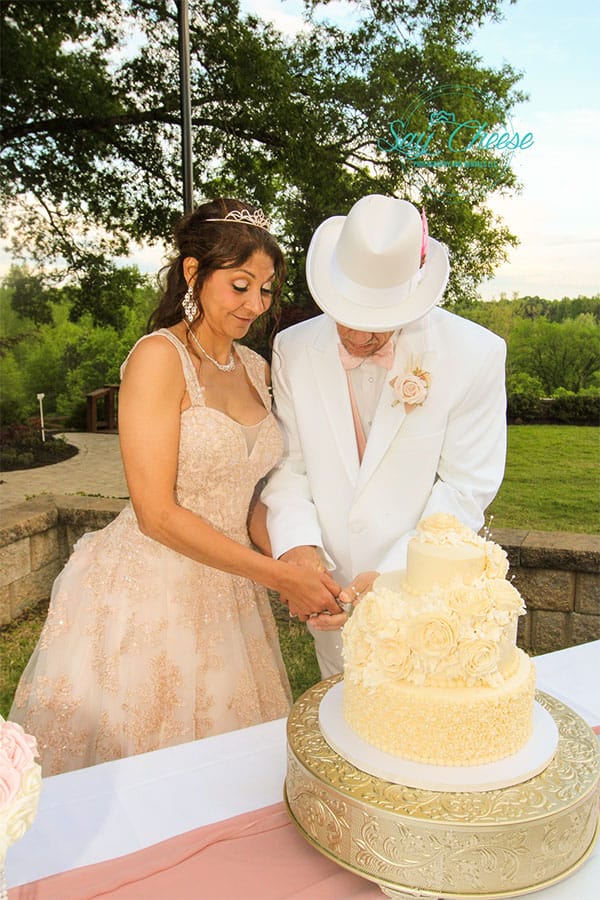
(214,245)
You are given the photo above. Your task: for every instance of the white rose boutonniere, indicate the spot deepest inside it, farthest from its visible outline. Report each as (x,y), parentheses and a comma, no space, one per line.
(412,388)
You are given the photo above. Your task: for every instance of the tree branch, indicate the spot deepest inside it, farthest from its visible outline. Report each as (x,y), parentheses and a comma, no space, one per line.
(102,123)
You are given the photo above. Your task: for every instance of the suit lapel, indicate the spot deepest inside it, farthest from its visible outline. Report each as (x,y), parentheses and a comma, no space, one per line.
(413,346)
(333,389)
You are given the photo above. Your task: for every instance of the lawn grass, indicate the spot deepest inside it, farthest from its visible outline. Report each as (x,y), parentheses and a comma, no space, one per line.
(552,483)
(552,480)
(298,651)
(17,642)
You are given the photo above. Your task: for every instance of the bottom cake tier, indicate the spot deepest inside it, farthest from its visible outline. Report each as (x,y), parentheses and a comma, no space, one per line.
(446,726)
(416,842)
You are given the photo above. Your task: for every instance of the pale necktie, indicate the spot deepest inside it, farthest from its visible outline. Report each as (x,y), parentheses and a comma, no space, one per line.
(383,357)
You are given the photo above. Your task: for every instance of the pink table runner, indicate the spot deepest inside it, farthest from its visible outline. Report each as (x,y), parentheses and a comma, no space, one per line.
(255,856)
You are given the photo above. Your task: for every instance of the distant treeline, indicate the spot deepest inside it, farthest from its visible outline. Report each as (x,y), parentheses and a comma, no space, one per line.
(499,315)
(553,360)
(66,341)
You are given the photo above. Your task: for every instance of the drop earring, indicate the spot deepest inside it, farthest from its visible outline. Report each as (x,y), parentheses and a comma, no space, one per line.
(190,307)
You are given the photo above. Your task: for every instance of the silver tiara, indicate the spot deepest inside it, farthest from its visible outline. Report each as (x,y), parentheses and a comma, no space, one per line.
(244,217)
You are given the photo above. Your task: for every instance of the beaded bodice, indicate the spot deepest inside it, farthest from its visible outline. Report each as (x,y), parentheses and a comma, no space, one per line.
(216,475)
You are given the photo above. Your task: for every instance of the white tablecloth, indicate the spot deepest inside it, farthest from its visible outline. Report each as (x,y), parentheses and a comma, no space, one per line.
(120,807)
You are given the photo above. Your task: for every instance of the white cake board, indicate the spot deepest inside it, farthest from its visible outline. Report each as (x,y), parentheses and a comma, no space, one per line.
(529,761)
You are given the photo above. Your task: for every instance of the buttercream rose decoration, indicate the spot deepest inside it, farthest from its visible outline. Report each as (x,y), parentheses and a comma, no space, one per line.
(479,658)
(507,597)
(395,658)
(411,388)
(433,636)
(440,523)
(471,600)
(371,615)
(496,562)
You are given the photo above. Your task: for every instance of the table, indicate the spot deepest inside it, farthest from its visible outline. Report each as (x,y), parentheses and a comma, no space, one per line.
(117,808)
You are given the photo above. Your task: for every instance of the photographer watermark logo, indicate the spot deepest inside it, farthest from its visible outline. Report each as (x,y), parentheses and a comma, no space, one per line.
(457,129)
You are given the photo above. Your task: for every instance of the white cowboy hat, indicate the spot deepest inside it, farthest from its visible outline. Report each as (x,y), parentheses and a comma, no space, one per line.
(364,271)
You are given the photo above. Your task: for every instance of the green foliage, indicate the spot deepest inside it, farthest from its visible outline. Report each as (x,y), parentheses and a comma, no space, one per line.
(29,297)
(500,315)
(570,408)
(106,292)
(65,359)
(523,394)
(91,136)
(558,310)
(561,354)
(14,402)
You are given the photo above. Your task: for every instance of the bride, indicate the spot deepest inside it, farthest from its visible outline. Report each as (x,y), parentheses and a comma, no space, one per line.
(160,629)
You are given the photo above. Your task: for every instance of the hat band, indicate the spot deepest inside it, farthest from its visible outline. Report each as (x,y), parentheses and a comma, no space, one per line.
(374,297)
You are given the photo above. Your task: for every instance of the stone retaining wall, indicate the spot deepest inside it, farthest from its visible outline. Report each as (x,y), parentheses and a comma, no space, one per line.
(36,539)
(558,576)
(558,573)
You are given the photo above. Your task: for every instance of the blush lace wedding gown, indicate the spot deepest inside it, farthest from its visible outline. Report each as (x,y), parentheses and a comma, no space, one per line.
(143,647)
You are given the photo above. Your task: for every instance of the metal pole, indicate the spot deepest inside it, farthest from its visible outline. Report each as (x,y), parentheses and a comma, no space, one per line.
(185,103)
(40,398)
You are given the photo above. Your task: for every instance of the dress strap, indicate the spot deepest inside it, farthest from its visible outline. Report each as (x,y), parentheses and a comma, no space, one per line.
(255,366)
(192,384)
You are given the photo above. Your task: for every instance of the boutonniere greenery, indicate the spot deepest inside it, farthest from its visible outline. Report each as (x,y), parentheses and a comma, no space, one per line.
(412,388)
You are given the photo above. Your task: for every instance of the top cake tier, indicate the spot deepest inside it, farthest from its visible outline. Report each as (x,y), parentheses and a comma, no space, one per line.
(431,565)
(446,552)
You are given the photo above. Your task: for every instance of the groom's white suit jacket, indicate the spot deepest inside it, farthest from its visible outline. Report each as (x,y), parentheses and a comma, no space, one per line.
(445,456)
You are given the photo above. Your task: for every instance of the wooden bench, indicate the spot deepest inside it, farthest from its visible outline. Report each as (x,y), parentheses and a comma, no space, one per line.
(107,396)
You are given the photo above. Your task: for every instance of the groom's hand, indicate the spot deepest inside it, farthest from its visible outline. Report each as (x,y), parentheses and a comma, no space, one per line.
(359,586)
(306,555)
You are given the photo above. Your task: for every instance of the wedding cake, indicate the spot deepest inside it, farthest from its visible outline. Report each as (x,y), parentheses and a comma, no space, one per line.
(20,784)
(431,668)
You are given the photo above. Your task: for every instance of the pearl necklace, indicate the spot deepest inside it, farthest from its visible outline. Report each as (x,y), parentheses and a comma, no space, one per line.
(229,366)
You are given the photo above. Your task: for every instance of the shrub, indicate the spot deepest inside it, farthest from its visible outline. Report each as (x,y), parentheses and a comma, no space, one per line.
(23,448)
(523,394)
(568,408)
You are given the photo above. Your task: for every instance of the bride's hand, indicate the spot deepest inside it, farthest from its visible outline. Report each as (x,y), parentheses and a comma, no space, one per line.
(308,592)
(351,595)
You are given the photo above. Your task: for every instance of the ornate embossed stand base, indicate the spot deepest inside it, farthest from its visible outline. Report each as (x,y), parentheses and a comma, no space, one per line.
(416,843)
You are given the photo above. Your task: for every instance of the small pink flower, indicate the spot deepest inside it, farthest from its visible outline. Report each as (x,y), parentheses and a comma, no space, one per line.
(411,389)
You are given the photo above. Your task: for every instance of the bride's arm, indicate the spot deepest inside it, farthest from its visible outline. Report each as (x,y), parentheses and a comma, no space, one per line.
(150,401)
(257,526)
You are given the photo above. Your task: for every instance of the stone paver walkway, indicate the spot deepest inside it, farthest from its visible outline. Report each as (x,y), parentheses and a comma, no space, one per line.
(97,470)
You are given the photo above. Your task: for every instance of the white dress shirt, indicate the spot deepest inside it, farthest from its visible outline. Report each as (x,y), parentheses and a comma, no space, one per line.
(367,382)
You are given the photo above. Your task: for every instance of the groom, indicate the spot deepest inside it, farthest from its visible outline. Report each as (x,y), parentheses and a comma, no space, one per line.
(392,408)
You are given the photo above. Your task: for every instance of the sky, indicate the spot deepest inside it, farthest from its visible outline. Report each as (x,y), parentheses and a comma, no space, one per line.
(555,216)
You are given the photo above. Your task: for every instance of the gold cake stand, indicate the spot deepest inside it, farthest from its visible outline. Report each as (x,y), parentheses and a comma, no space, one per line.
(416,843)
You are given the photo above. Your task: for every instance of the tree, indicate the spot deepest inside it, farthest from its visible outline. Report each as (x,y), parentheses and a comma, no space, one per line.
(565,354)
(106,292)
(91,146)
(29,297)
